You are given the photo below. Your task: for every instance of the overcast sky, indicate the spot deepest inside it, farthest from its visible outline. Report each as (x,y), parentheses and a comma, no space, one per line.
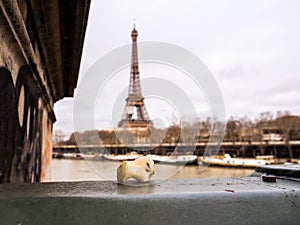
(252,48)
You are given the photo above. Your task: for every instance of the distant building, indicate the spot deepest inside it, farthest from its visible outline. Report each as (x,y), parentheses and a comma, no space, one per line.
(272,134)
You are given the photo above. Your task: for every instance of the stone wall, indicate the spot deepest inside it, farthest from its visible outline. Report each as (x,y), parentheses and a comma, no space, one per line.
(23,118)
(32,34)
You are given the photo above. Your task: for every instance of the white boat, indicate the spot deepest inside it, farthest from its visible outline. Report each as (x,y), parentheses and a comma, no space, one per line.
(128,157)
(227,161)
(175,159)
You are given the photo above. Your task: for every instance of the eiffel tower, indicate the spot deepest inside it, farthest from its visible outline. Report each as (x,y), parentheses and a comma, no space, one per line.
(135,116)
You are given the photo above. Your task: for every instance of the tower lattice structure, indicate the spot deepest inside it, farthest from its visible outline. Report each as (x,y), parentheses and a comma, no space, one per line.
(135,114)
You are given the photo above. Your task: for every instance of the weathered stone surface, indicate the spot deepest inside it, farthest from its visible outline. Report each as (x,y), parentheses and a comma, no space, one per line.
(182,201)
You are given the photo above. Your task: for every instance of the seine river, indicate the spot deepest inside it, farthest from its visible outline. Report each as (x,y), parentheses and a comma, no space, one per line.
(79,170)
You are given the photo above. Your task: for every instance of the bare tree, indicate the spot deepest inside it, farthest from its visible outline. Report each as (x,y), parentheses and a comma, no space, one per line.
(245,130)
(232,130)
(58,137)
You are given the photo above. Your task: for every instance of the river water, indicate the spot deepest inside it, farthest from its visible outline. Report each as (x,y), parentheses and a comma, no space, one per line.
(79,170)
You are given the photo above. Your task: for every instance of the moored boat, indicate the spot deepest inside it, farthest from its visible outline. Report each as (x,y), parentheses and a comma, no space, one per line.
(57,155)
(128,157)
(227,161)
(175,159)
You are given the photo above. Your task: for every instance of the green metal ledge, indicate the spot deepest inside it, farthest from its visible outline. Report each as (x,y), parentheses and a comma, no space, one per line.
(288,170)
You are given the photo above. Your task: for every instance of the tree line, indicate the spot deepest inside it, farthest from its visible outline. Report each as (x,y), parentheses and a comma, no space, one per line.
(282,126)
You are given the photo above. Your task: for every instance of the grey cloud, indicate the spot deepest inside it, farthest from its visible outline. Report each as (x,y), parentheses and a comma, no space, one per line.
(252,47)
